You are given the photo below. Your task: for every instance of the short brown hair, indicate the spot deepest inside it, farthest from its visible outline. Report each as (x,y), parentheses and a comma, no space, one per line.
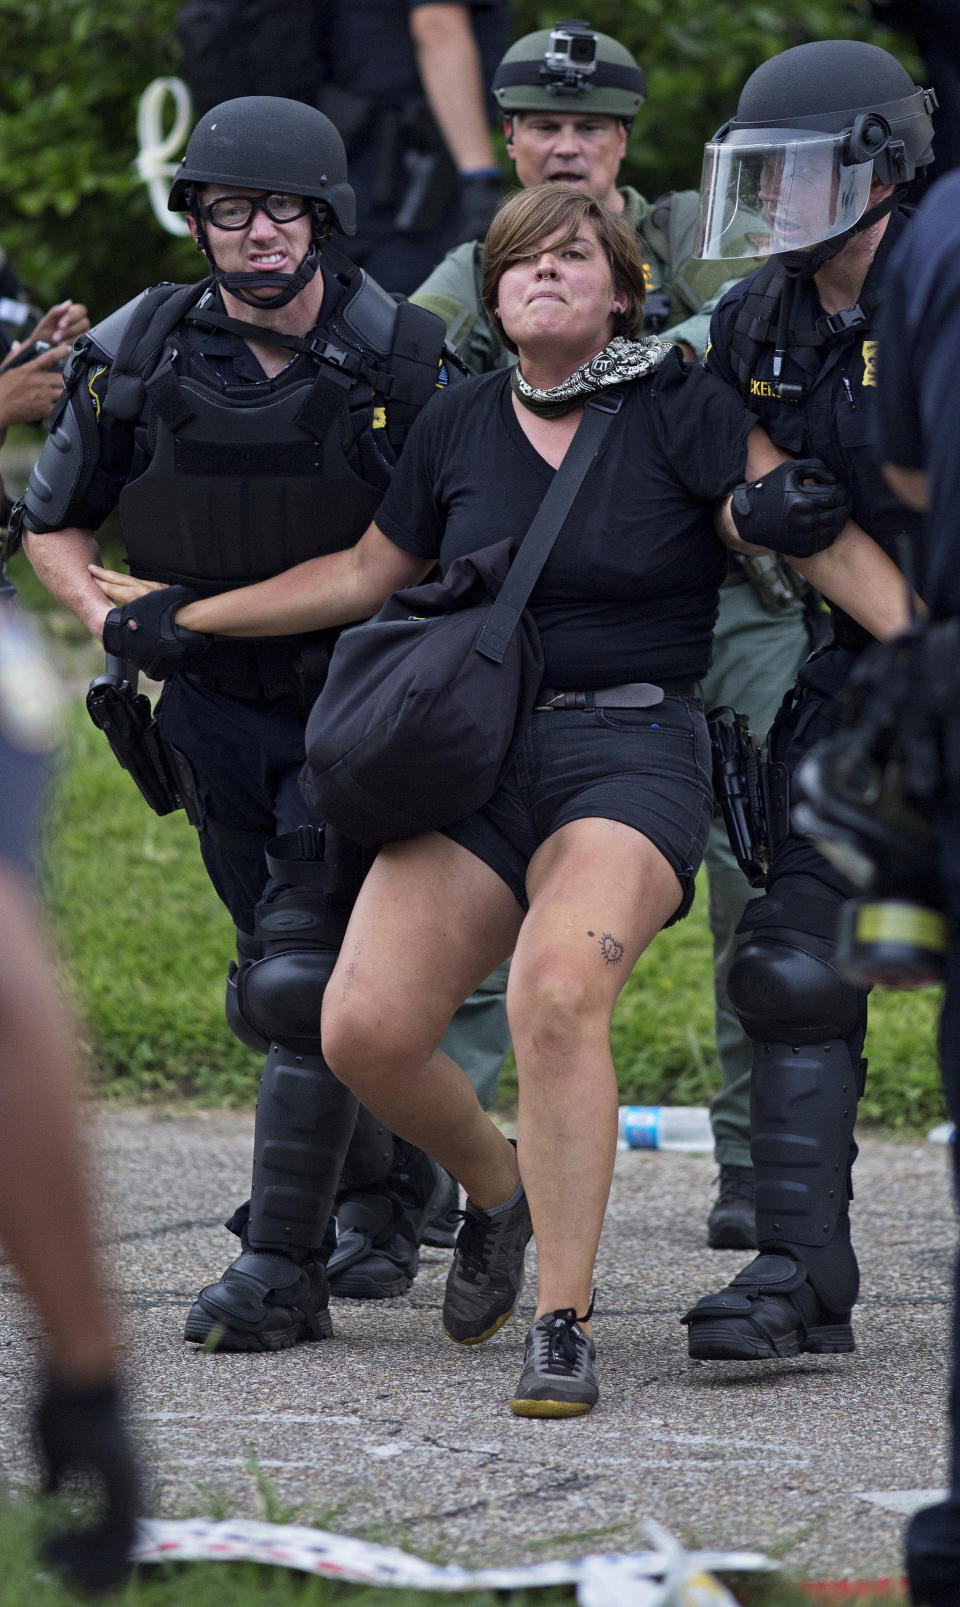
(530,216)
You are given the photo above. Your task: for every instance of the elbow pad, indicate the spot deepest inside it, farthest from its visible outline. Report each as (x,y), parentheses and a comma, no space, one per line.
(69,456)
(799,508)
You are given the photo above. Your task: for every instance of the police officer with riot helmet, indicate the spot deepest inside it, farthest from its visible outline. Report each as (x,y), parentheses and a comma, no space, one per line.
(240,425)
(826,140)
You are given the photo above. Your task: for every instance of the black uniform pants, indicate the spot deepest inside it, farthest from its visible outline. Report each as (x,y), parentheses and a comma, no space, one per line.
(246,759)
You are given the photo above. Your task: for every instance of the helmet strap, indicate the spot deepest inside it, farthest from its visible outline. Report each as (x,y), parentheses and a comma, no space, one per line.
(285,286)
(804,264)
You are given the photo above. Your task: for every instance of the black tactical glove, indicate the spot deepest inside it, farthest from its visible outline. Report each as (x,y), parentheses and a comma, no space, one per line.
(799,508)
(80,1431)
(144,631)
(480,195)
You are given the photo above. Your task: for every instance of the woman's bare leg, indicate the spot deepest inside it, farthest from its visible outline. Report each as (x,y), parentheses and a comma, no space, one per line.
(430,923)
(599,892)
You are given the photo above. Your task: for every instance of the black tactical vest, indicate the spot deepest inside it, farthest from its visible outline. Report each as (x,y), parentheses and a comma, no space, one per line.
(238,488)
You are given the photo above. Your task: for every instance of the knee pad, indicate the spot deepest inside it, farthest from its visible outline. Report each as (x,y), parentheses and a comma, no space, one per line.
(783,994)
(783,984)
(248,950)
(280,994)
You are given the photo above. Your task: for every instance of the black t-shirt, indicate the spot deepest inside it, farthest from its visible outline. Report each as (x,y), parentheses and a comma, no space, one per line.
(629,591)
(918,402)
(836,418)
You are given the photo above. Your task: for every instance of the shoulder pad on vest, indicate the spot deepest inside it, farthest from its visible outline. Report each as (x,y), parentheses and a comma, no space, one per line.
(107,335)
(150,321)
(371,313)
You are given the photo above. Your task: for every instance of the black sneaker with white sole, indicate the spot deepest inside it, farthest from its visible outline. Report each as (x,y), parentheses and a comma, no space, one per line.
(486,1274)
(558,1377)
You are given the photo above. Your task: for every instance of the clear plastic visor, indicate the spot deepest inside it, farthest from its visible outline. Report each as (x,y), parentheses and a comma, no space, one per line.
(777,189)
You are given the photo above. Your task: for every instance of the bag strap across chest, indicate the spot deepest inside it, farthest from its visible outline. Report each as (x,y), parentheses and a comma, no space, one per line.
(538,542)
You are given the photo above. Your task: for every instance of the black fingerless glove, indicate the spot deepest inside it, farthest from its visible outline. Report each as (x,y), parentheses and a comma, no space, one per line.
(144,632)
(79,1431)
(799,508)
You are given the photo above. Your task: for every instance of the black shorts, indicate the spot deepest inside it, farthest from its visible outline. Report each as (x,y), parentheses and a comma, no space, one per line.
(648,768)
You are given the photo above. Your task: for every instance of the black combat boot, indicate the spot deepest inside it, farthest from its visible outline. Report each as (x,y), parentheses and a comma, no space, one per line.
(797,1294)
(275,1293)
(380,1228)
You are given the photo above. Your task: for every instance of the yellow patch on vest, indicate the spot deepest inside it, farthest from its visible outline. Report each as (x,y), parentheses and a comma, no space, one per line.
(379,418)
(91,384)
(869,354)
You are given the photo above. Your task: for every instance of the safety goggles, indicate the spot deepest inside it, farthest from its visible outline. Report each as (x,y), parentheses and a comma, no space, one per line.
(236,211)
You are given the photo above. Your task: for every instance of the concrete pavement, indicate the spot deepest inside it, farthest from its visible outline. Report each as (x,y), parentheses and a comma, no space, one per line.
(391,1432)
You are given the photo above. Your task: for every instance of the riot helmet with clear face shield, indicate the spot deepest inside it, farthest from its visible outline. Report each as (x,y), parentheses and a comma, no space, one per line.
(814,127)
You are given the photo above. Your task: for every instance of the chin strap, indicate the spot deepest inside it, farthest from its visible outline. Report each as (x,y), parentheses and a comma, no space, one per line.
(284,285)
(804,264)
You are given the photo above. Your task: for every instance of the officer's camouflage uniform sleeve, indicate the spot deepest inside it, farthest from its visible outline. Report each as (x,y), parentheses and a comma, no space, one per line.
(452,292)
(695,331)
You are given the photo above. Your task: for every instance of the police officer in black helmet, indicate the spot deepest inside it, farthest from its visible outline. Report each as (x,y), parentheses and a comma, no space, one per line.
(240,425)
(825,143)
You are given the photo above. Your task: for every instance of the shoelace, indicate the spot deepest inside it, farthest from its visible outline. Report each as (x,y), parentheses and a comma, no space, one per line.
(562,1346)
(473,1240)
(735,1184)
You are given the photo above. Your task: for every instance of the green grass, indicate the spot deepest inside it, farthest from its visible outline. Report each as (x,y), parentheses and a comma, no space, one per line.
(27,1582)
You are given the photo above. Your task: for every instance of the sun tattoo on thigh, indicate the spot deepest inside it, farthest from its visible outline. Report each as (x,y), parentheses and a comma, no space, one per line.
(610,947)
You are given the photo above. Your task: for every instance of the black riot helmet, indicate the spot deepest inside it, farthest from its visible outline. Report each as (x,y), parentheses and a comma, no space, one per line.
(814,126)
(264,142)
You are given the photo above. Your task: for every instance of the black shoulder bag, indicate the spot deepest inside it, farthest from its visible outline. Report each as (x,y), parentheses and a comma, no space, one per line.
(424,705)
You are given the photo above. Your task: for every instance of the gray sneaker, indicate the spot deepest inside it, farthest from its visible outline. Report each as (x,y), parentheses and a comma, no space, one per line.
(486,1274)
(558,1378)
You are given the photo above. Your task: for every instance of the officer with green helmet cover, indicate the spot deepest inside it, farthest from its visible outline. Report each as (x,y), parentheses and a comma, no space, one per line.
(569,96)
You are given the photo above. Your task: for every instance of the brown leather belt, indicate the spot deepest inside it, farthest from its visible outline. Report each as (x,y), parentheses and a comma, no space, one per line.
(632,695)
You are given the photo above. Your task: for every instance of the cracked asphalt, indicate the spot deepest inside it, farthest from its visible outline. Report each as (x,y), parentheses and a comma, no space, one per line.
(390,1432)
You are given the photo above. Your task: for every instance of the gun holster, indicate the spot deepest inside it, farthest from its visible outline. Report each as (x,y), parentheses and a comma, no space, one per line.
(125,717)
(751,792)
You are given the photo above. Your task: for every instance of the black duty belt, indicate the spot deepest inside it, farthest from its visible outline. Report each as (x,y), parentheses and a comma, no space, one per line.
(631,695)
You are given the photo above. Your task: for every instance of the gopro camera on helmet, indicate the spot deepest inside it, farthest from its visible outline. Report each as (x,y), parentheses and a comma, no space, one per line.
(572,49)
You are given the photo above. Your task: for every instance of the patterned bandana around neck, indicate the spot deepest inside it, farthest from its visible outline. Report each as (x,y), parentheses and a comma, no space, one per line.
(619,361)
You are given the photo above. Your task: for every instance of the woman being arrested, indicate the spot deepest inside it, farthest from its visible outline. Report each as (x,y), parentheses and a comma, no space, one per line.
(592,843)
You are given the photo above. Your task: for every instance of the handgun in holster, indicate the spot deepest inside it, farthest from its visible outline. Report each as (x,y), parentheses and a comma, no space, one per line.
(125,717)
(776,584)
(751,792)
